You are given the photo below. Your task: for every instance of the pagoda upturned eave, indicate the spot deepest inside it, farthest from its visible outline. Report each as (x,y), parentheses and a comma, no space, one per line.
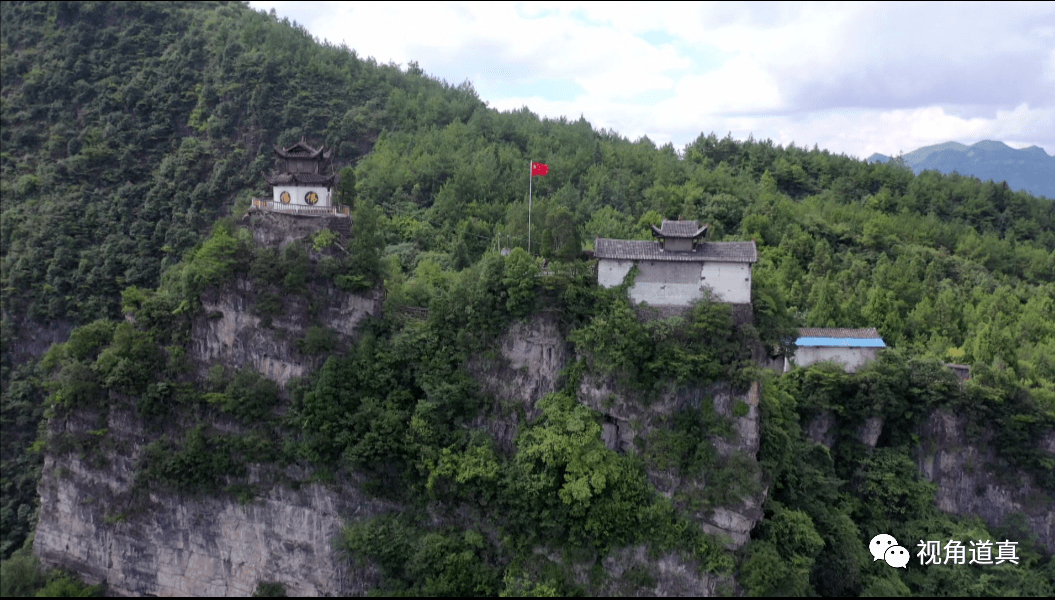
(301,150)
(679,230)
(300,178)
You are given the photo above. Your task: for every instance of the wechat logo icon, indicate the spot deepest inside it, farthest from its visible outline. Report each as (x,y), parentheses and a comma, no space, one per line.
(885,547)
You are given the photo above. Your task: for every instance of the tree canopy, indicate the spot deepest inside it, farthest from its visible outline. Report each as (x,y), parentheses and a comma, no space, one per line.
(131,132)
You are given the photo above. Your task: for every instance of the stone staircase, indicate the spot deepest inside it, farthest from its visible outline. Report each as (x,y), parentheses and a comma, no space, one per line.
(342,226)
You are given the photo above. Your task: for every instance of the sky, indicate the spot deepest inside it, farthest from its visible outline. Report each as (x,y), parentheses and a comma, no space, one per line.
(850,78)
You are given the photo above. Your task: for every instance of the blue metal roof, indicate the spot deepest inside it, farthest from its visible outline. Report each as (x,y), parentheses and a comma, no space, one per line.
(842,342)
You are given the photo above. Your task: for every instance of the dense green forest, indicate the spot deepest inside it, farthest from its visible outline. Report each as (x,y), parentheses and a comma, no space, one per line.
(130,130)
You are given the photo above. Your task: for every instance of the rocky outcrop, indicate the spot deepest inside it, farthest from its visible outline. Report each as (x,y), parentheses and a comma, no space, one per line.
(531,357)
(275,230)
(965,469)
(95,521)
(629,416)
(870,431)
(92,522)
(29,340)
(532,354)
(230,334)
(962,466)
(822,429)
(670,575)
(231,331)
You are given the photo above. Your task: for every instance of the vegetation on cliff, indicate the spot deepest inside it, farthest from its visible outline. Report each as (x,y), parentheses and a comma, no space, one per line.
(130,128)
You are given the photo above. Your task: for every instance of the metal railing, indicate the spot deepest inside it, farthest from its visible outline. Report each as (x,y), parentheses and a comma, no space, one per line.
(305,211)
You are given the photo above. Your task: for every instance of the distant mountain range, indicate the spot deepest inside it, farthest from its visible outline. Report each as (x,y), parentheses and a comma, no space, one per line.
(1030,169)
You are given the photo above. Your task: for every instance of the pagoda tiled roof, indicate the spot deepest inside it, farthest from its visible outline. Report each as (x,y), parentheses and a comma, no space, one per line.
(679,229)
(302,150)
(299,178)
(737,252)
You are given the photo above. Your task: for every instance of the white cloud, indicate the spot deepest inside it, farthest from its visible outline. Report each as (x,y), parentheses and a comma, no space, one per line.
(853,78)
(738,86)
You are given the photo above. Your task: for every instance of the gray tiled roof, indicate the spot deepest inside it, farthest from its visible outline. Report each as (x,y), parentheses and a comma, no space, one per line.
(680,229)
(742,252)
(302,178)
(838,332)
(299,150)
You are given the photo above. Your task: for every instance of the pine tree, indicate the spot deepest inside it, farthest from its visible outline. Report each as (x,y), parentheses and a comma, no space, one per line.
(346,187)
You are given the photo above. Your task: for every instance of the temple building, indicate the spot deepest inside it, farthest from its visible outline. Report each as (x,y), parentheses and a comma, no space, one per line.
(302,184)
(852,348)
(679,266)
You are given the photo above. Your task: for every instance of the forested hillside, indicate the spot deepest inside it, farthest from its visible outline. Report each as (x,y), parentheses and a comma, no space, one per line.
(130,129)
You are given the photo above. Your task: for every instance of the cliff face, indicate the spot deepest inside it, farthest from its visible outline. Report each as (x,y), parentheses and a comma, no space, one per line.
(229,334)
(631,571)
(29,340)
(962,467)
(628,418)
(275,230)
(93,523)
(966,470)
(532,355)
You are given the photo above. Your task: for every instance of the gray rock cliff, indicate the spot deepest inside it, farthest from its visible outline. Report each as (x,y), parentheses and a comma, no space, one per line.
(532,356)
(95,522)
(966,470)
(92,522)
(969,482)
(229,334)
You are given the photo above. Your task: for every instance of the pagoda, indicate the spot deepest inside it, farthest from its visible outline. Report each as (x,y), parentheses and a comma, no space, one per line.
(301,182)
(675,270)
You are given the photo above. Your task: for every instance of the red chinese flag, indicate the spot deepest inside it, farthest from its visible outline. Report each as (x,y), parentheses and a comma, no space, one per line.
(538,169)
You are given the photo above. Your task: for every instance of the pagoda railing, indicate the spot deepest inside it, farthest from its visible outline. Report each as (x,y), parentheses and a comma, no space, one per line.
(304,211)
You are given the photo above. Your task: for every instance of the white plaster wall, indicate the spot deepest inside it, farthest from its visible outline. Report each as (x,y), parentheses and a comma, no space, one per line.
(729,282)
(611,273)
(851,358)
(661,283)
(665,294)
(297,195)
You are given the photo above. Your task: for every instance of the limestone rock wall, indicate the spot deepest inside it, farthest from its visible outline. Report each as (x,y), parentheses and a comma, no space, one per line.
(30,339)
(965,469)
(230,334)
(628,416)
(93,523)
(961,466)
(277,230)
(669,575)
(533,353)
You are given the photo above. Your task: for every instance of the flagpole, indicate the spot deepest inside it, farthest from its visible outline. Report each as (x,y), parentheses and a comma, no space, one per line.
(529,207)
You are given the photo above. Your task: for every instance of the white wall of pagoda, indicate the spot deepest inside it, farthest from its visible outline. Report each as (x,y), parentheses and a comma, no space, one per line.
(298,196)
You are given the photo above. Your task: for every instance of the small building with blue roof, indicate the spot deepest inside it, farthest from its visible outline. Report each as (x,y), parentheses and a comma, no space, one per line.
(852,348)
